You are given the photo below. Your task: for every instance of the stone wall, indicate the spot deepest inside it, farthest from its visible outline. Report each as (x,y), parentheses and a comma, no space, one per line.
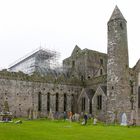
(22,96)
(85,64)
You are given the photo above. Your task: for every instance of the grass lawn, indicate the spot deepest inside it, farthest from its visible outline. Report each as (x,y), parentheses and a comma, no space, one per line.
(60,130)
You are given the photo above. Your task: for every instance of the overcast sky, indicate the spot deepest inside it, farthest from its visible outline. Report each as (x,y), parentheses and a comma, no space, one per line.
(61,24)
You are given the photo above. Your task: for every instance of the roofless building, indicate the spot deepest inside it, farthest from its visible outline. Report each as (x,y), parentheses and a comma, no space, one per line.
(91,82)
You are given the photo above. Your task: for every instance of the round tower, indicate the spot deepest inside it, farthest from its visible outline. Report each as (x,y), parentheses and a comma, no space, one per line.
(117,65)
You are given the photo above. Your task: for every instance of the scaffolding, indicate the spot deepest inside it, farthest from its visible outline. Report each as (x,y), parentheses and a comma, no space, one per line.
(40,60)
(49,56)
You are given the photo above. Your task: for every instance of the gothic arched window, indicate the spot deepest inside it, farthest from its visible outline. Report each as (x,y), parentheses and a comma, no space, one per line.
(39,101)
(48,102)
(57,102)
(65,102)
(99,102)
(101,72)
(83,104)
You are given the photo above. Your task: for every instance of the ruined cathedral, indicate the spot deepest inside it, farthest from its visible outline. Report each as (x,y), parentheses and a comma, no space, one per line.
(93,82)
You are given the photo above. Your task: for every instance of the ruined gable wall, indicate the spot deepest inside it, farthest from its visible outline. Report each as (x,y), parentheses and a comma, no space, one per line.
(86,63)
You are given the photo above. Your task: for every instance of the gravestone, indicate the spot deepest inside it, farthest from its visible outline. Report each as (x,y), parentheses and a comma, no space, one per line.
(51,115)
(6,115)
(124,120)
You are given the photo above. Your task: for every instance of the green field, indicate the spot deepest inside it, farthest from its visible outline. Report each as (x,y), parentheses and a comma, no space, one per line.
(60,130)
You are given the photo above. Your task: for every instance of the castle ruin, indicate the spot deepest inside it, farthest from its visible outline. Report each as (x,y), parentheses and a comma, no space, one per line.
(92,82)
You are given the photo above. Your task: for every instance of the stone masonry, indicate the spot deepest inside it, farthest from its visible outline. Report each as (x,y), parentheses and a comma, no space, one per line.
(91,82)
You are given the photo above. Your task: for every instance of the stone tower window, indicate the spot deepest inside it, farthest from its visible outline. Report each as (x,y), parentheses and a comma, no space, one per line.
(83,104)
(82,78)
(65,102)
(112,88)
(73,64)
(89,77)
(48,102)
(99,102)
(121,25)
(39,101)
(101,72)
(57,102)
(77,51)
(101,61)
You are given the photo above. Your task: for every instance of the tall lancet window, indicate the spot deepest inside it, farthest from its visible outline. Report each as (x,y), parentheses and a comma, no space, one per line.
(48,101)
(99,102)
(65,102)
(39,101)
(83,104)
(57,102)
(90,106)
(72,103)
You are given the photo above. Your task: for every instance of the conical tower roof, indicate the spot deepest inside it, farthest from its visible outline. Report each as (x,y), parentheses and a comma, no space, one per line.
(116,14)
